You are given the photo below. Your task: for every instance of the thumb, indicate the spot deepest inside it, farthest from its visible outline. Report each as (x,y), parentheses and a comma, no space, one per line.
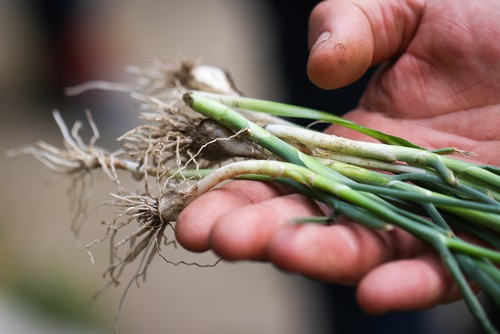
(347,37)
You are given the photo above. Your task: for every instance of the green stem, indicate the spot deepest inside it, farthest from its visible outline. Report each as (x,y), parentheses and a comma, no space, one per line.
(286,110)
(471,249)
(470,298)
(460,189)
(476,172)
(389,153)
(483,213)
(475,230)
(483,273)
(339,207)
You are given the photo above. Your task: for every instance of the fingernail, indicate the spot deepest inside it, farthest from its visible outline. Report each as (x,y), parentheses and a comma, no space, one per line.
(325,35)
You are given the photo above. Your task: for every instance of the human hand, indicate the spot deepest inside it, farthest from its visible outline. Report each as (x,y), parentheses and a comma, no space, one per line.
(440,83)
(438,87)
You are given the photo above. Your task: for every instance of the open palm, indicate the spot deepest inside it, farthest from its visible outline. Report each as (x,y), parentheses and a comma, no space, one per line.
(438,86)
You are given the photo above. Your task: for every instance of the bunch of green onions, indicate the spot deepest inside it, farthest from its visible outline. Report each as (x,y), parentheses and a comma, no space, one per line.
(385,185)
(345,174)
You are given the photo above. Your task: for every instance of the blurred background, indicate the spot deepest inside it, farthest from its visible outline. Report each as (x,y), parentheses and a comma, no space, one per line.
(46,281)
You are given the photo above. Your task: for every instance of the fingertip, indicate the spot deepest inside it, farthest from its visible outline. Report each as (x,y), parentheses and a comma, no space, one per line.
(404,285)
(334,64)
(342,44)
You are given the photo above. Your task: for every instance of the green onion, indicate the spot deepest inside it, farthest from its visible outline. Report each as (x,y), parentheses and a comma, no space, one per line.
(194,141)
